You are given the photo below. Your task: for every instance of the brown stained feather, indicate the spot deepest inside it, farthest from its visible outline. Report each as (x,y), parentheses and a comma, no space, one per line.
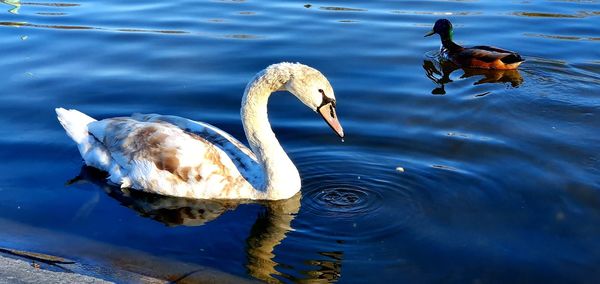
(148,141)
(233,184)
(209,136)
(167,163)
(213,156)
(220,140)
(184,173)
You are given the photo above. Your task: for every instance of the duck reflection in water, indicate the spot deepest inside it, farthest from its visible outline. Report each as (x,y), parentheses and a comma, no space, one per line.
(268,231)
(438,71)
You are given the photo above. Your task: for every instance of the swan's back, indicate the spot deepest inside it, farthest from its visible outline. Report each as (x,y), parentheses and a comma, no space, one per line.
(167,155)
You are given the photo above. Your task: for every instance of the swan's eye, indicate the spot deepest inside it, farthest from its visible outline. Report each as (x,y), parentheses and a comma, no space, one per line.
(322,92)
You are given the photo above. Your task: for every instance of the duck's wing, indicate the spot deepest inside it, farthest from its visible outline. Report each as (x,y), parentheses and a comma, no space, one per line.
(173,156)
(492,48)
(491,54)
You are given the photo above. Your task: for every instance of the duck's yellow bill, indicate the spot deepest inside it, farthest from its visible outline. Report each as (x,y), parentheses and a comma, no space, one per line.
(430,33)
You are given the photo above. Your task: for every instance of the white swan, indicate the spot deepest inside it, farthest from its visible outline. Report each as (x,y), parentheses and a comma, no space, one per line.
(175,156)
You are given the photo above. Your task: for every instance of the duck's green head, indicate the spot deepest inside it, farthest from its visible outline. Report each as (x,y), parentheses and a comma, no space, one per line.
(442,27)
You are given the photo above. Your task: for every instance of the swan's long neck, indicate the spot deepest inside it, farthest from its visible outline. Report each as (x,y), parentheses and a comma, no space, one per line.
(282,179)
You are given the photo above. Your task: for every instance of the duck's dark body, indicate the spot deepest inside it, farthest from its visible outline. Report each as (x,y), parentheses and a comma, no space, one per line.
(485,57)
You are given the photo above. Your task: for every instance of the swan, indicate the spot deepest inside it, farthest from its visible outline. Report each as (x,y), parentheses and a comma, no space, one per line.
(175,156)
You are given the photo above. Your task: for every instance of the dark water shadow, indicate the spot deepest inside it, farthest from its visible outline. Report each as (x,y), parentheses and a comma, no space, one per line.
(439,71)
(269,230)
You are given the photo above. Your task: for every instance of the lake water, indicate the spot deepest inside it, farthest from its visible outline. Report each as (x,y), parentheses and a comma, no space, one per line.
(444,176)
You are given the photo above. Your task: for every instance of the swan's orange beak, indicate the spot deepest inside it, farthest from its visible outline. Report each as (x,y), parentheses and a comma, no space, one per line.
(327,111)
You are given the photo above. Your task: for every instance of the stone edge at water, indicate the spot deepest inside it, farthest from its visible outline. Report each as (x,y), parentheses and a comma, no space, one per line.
(20,271)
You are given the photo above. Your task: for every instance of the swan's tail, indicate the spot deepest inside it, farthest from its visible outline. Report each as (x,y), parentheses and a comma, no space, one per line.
(75,123)
(92,151)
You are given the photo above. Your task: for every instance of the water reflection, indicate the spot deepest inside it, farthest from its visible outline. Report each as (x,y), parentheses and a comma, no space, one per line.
(562,37)
(243,36)
(340,9)
(72,27)
(438,13)
(167,210)
(16,4)
(329,270)
(439,71)
(267,233)
(580,14)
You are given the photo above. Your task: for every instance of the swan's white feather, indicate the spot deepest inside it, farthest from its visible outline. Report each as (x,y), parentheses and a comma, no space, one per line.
(76,125)
(167,155)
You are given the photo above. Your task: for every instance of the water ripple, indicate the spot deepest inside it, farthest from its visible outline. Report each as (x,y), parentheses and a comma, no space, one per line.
(505,162)
(437,13)
(352,198)
(580,14)
(562,37)
(341,9)
(243,36)
(73,27)
(341,200)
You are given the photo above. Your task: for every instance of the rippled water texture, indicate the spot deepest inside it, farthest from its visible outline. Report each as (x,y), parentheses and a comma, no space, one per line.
(446,175)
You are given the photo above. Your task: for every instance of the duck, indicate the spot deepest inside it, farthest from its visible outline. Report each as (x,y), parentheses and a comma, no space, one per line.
(175,156)
(481,56)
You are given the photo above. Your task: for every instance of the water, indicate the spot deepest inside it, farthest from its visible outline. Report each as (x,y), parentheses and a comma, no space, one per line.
(499,173)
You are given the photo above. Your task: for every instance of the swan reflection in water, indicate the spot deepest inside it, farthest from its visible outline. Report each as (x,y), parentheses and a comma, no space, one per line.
(268,231)
(439,72)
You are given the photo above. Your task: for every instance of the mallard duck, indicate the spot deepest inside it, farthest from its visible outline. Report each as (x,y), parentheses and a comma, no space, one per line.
(175,156)
(481,56)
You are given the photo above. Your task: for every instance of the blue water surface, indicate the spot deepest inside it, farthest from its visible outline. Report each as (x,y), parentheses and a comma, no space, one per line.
(445,175)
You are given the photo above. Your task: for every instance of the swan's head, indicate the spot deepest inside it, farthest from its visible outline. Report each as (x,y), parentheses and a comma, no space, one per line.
(313,89)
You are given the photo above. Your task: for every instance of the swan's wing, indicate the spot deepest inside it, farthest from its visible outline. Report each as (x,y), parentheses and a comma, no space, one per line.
(157,156)
(241,155)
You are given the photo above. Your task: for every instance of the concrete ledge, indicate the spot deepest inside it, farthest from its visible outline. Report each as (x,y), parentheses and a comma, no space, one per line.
(21,271)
